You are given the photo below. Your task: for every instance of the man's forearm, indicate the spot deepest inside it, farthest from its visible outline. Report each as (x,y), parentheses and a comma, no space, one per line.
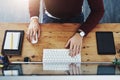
(97,11)
(91,21)
(34,6)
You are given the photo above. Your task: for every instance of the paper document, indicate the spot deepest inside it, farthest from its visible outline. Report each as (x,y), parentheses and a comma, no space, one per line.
(12,40)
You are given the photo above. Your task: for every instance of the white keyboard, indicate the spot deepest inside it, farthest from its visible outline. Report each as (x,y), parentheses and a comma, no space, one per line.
(58,59)
(56,66)
(59,55)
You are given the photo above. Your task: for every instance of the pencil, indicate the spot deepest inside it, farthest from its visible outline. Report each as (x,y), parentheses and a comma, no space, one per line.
(11,44)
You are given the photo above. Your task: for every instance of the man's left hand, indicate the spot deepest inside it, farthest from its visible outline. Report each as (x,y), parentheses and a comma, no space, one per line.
(75,44)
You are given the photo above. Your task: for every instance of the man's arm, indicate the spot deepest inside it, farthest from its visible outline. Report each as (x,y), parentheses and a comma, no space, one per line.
(33,32)
(93,19)
(34,6)
(97,11)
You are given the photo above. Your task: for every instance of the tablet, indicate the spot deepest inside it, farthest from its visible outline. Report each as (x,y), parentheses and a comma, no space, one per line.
(105,43)
(12,43)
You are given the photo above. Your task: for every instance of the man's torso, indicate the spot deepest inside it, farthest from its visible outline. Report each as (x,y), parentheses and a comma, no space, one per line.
(64,8)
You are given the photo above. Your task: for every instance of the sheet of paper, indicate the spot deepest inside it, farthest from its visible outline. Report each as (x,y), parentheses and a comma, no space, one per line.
(12,40)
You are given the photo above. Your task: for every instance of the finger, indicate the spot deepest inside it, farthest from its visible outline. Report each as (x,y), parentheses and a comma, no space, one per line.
(34,34)
(71,49)
(28,32)
(28,35)
(78,49)
(67,43)
(70,69)
(31,35)
(38,33)
(79,70)
(74,50)
(74,69)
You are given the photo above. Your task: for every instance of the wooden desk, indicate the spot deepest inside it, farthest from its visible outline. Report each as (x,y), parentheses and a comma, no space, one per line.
(56,36)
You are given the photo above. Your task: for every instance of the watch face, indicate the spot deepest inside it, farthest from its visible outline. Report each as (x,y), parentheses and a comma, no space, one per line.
(82,34)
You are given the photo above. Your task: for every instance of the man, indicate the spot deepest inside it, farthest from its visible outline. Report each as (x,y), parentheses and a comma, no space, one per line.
(66,11)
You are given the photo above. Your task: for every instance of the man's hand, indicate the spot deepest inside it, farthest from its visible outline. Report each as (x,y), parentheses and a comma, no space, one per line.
(75,44)
(74,69)
(33,29)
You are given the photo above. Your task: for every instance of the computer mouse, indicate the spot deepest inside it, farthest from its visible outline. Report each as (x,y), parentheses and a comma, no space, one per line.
(33,40)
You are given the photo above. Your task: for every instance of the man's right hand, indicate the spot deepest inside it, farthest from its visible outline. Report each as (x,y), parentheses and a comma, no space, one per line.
(33,29)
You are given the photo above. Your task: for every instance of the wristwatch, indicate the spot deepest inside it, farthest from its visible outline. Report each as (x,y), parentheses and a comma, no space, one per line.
(81,32)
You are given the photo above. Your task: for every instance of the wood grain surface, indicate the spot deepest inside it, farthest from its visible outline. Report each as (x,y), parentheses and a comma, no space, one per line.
(56,36)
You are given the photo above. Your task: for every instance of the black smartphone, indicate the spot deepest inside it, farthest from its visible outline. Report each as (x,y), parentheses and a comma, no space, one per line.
(105,43)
